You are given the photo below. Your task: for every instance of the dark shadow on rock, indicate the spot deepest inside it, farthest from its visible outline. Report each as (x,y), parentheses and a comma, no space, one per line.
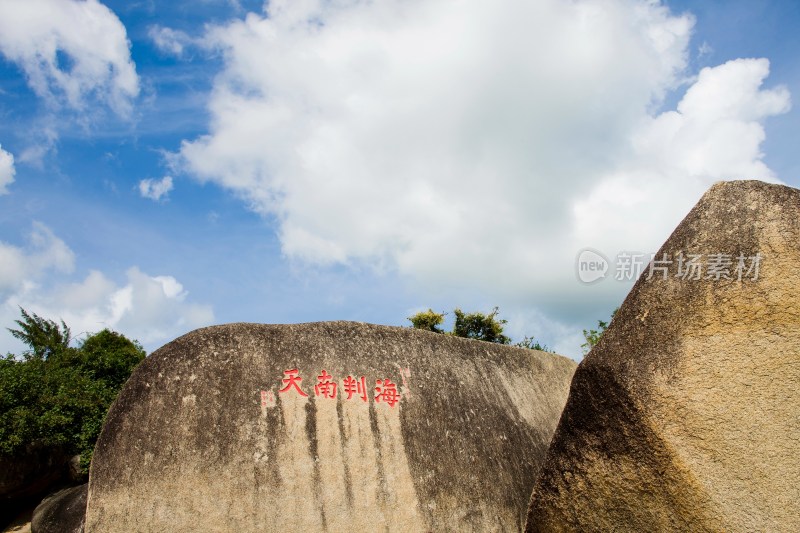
(61,512)
(26,478)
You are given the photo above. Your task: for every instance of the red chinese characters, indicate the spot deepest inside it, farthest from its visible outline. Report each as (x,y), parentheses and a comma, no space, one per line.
(267,399)
(326,387)
(386,391)
(358,387)
(292,379)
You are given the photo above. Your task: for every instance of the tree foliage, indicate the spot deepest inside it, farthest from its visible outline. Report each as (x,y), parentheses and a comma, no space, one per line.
(428,320)
(480,326)
(44,337)
(57,396)
(532,344)
(592,336)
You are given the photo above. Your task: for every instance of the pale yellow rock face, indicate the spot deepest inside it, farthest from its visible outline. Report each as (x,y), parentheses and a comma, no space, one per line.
(686,416)
(202,439)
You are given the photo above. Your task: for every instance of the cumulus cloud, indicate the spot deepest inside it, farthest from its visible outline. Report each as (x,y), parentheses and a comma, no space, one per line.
(7,170)
(151,309)
(169,41)
(155,189)
(70,50)
(480,145)
(20,267)
(715,134)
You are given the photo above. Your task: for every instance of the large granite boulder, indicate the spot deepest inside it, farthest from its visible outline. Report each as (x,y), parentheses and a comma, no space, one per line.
(686,415)
(335,426)
(61,512)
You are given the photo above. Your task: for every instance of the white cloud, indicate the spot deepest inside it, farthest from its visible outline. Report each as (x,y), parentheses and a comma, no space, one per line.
(715,134)
(155,189)
(476,145)
(151,309)
(169,41)
(21,266)
(7,170)
(43,139)
(70,50)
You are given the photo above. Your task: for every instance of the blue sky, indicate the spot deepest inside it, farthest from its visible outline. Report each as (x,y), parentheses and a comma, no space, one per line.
(170,165)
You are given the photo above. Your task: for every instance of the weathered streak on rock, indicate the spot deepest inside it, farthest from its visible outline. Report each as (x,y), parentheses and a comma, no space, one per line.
(201,438)
(362,459)
(685,416)
(401,503)
(299,508)
(332,485)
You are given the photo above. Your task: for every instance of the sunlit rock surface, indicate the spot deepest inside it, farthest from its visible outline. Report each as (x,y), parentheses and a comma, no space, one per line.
(686,415)
(238,428)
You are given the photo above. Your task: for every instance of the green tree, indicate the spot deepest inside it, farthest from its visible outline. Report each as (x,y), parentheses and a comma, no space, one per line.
(44,337)
(532,344)
(428,320)
(469,325)
(473,326)
(479,326)
(592,336)
(57,396)
(110,357)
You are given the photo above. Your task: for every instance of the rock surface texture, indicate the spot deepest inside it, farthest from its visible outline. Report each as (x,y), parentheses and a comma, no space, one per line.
(686,415)
(62,512)
(239,428)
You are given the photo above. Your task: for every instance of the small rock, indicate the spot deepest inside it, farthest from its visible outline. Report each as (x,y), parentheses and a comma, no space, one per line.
(61,512)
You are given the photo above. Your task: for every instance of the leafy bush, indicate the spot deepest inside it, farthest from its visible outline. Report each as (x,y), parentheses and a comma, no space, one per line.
(57,396)
(428,320)
(478,326)
(532,344)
